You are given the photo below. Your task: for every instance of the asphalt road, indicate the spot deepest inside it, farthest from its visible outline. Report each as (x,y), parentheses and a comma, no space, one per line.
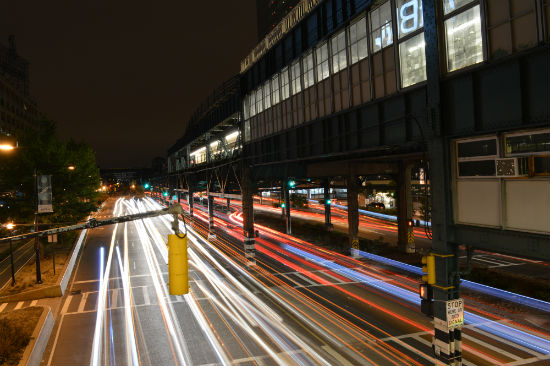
(297,305)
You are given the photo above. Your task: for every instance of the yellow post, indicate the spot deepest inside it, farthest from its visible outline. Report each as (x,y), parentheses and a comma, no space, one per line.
(178,267)
(428,267)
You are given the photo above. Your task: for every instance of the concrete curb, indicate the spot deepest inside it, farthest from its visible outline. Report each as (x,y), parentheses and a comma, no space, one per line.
(54,290)
(39,339)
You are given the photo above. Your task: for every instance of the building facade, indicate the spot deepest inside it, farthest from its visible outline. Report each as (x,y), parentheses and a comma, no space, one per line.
(17,109)
(270,13)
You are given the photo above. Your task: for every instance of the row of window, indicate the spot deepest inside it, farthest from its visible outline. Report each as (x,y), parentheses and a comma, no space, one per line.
(462,23)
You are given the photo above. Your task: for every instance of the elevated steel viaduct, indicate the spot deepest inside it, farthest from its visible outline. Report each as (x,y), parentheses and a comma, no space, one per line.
(343,89)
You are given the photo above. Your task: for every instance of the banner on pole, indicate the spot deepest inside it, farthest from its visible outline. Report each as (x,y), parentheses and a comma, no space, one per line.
(44,184)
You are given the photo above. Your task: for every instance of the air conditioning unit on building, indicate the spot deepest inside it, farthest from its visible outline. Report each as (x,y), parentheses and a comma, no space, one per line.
(512,167)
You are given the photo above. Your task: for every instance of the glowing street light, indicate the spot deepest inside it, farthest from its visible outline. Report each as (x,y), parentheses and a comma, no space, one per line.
(71,167)
(6,147)
(10,225)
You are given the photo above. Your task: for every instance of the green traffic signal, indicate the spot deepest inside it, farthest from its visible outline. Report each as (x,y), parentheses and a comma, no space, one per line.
(165,194)
(292,183)
(146,186)
(282,205)
(328,201)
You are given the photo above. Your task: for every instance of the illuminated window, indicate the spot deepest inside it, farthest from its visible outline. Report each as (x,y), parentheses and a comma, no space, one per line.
(338,47)
(246,108)
(412,60)
(409,16)
(296,74)
(358,40)
(267,94)
(275,89)
(252,104)
(285,87)
(321,54)
(259,100)
(309,71)
(380,27)
(463,39)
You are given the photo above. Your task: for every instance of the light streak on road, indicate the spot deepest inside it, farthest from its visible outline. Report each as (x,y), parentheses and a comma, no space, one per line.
(101,302)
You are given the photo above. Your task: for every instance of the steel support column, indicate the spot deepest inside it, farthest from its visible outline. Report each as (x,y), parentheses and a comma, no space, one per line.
(326,190)
(211,234)
(405,233)
(287,207)
(353,213)
(190,200)
(247,192)
(228,205)
(447,341)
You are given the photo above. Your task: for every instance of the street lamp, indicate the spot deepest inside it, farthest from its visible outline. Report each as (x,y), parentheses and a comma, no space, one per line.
(10,226)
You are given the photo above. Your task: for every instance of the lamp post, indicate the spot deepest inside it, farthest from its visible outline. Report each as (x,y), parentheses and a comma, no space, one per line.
(10,227)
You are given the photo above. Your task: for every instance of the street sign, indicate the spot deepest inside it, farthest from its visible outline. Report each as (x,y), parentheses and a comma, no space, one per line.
(44,191)
(455,313)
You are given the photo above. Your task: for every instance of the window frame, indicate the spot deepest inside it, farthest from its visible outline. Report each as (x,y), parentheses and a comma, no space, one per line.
(372,31)
(358,41)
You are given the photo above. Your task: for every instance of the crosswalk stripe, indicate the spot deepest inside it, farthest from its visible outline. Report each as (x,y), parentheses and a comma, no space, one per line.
(19,305)
(3,306)
(82,302)
(34,302)
(114,298)
(146,296)
(66,304)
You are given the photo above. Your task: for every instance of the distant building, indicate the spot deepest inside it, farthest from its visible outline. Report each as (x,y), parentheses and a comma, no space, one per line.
(125,176)
(17,109)
(270,13)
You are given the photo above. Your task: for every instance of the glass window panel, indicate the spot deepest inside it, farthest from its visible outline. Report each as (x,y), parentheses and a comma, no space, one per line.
(295,73)
(267,94)
(253,104)
(259,100)
(307,63)
(478,168)
(451,5)
(542,165)
(285,87)
(358,40)
(409,16)
(471,149)
(321,54)
(412,60)
(275,87)
(464,45)
(381,27)
(537,142)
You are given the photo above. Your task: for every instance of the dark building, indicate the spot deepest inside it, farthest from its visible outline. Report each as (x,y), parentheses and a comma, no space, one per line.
(271,12)
(17,109)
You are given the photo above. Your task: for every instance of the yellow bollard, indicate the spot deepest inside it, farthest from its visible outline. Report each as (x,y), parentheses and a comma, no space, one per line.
(178,267)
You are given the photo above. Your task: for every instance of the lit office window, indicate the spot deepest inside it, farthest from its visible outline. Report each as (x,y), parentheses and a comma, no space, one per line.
(409,16)
(380,27)
(259,100)
(285,87)
(267,94)
(295,74)
(275,89)
(321,54)
(252,104)
(338,47)
(412,60)
(358,40)
(463,37)
(451,5)
(309,72)
(247,130)
(246,108)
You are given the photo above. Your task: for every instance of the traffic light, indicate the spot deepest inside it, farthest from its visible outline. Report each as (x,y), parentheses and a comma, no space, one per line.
(165,194)
(282,205)
(426,299)
(428,267)
(146,185)
(328,201)
(291,183)
(178,265)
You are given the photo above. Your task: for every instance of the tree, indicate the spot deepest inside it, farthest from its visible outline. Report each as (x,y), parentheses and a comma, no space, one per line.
(73,191)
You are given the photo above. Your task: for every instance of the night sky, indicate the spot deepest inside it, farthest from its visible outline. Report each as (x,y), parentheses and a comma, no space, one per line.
(125,76)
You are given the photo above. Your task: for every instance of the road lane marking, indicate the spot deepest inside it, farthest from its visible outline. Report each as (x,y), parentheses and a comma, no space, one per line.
(3,306)
(491,347)
(341,360)
(34,302)
(305,279)
(146,296)
(19,305)
(65,307)
(114,298)
(82,302)
(429,344)
(502,340)
(525,361)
